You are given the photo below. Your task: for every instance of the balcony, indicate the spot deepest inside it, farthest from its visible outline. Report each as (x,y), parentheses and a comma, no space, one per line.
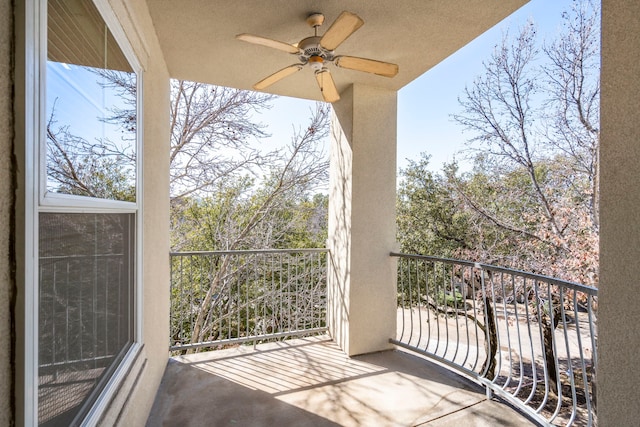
(311,382)
(475,344)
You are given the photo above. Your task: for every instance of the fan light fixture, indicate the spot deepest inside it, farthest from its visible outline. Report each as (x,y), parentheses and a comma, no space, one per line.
(316,63)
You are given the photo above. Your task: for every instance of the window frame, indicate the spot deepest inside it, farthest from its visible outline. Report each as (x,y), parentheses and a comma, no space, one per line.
(38,200)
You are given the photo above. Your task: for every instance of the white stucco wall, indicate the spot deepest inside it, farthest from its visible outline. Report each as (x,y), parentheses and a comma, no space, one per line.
(131,407)
(619,300)
(6,208)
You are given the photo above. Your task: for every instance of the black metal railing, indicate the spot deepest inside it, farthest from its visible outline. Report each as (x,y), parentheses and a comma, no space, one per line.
(529,339)
(85,328)
(221,298)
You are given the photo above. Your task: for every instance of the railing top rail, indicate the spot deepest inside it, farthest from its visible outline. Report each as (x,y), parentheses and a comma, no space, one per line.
(250,252)
(539,277)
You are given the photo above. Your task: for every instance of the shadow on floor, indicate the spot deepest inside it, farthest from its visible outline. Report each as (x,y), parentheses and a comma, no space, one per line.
(310,382)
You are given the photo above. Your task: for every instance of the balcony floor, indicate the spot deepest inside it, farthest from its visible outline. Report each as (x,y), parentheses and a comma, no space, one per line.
(310,382)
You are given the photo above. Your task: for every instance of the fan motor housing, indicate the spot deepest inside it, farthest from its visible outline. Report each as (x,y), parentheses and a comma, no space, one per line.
(311,47)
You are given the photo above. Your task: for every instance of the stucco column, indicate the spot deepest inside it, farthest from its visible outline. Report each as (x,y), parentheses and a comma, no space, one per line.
(362,275)
(618,374)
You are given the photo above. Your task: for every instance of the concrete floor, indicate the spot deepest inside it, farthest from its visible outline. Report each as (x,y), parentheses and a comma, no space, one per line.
(310,382)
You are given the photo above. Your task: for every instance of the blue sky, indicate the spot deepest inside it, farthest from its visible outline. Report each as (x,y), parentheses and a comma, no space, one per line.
(80,101)
(425,106)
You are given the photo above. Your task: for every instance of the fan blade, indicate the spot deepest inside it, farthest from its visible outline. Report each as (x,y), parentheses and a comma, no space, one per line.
(327,86)
(263,41)
(346,24)
(278,75)
(380,68)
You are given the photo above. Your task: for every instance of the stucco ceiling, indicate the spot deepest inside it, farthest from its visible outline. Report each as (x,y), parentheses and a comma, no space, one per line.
(199,44)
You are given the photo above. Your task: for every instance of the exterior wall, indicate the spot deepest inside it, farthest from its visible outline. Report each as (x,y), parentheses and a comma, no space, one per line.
(619,299)
(6,212)
(132,404)
(19,109)
(362,278)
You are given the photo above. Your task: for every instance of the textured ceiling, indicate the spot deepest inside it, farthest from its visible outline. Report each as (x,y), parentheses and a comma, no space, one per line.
(198,38)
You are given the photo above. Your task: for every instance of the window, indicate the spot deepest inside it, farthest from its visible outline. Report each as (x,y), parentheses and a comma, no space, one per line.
(86,214)
(85,308)
(90,106)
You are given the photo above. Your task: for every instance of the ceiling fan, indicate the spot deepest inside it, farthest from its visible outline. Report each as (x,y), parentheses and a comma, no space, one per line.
(317,51)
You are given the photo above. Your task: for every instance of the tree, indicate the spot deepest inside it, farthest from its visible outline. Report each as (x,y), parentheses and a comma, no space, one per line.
(534,119)
(428,217)
(572,76)
(80,167)
(264,221)
(96,164)
(213,135)
(246,212)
